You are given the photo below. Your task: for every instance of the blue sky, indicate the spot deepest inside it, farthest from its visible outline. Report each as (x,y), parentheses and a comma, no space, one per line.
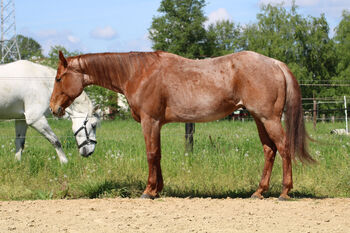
(122,25)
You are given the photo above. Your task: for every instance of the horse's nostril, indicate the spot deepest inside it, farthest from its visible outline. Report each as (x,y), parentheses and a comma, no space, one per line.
(59,110)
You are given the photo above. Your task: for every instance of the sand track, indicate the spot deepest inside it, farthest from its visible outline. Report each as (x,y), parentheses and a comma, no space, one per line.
(176,215)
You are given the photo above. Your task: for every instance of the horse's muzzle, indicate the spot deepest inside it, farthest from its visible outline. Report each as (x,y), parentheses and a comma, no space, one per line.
(59,111)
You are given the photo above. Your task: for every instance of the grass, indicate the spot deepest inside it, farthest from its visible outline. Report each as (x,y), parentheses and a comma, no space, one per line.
(227,161)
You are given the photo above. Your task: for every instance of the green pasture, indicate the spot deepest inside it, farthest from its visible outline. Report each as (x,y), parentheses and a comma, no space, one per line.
(227,162)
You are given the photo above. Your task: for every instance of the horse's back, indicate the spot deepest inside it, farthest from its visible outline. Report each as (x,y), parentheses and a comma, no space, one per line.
(25,87)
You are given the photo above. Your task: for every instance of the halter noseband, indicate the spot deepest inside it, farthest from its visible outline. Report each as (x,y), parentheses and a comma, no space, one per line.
(88,140)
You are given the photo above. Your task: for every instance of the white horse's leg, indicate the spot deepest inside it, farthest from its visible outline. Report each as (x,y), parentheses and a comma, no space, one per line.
(42,126)
(21,130)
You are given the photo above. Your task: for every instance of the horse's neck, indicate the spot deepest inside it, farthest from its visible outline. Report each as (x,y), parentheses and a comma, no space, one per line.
(114,70)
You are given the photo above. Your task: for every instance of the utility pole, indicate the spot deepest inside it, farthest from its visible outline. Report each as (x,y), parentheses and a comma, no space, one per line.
(8,38)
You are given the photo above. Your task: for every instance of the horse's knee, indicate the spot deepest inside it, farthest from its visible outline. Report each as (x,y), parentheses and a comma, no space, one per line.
(153,156)
(269,153)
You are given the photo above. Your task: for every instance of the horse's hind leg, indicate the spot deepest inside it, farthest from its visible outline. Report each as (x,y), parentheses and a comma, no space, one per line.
(42,126)
(21,130)
(269,153)
(276,133)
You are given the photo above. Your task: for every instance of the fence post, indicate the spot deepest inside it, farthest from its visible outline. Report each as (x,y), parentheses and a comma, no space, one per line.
(189,130)
(315,112)
(346,116)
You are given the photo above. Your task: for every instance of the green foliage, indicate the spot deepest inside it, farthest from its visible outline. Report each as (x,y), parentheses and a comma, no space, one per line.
(342,40)
(222,38)
(52,58)
(29,48)
(179,29)
(106,99)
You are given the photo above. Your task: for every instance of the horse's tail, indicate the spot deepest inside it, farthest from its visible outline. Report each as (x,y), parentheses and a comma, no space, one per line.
(294,119)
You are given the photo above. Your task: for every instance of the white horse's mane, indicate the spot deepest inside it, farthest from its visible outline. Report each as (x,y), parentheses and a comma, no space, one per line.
(82,104)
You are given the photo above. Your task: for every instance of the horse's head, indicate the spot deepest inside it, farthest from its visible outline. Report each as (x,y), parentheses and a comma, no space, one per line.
(68,85)
(84,128)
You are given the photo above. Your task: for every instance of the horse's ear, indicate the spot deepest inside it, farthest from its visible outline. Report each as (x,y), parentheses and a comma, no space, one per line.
(62,59)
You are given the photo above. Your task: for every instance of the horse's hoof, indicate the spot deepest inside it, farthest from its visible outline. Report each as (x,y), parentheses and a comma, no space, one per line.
(257,196)
(147,196)
(63,161)
(284,198)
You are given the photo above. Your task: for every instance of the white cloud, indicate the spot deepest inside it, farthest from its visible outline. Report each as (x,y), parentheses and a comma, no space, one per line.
(47,33)
(50,37)
(218,15)
(104,33)
(73,39)
(140,44)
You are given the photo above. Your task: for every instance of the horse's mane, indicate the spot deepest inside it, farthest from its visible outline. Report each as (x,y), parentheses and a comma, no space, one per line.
(119,65)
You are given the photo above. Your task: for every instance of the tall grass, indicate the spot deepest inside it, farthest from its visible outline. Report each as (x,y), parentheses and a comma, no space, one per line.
(227,161)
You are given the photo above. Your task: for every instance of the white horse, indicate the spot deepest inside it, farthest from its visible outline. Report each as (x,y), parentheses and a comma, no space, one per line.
(25,90)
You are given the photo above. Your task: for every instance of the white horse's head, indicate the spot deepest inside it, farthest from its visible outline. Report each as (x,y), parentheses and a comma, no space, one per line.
(85,120)
(84,128)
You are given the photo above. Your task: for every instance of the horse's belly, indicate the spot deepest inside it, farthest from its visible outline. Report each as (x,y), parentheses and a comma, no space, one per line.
(12,110)
(200,110)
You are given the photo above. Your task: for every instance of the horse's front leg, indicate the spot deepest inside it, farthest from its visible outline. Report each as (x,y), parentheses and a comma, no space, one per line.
(42,126)
(151,132)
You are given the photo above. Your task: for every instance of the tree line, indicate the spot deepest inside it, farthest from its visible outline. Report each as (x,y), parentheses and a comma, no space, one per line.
(320,62)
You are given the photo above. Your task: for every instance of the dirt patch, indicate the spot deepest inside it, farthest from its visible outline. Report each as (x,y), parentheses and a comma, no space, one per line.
(176,215)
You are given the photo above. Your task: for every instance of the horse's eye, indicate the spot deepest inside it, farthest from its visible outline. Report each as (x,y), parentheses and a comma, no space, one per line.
(58,80)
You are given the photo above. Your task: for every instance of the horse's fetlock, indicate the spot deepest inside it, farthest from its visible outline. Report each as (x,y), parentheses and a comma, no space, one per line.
(58,144)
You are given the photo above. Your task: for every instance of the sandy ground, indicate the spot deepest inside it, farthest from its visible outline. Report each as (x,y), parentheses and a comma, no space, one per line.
(176,215)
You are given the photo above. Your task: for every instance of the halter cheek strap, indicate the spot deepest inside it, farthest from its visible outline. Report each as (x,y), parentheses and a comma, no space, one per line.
(88,140)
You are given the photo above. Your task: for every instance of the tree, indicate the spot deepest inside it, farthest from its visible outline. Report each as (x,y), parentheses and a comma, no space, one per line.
(222,38)
(342,40)
(179,29)
(29,48)
(52,58)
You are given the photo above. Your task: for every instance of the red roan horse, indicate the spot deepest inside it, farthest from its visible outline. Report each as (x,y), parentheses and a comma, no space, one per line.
(162,87)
